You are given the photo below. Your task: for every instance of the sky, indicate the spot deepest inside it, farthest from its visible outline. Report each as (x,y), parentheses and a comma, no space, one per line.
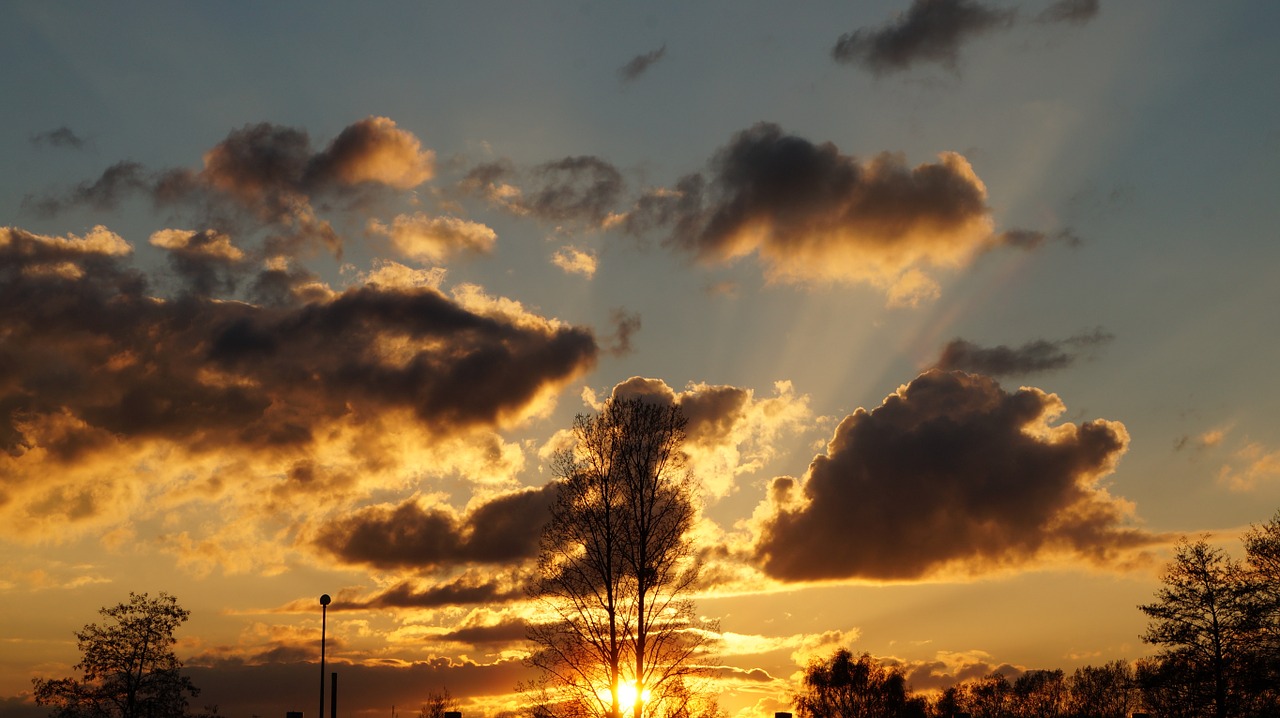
(970,305)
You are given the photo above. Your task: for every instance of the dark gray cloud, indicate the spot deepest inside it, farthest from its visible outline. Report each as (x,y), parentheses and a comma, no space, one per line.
(461,592)
(117,182)
(1036,356)
(503,530)
(1073,11)
(507,632)
(1034,238)
(584,188)
(813,213)
(91,350)
(59,137)
(637,65)
(625,326)
(929,31)
(950,472)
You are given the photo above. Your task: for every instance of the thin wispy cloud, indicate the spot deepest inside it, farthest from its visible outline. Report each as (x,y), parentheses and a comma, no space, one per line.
(1037,356)
(59,137)
(929,31)
(640,64)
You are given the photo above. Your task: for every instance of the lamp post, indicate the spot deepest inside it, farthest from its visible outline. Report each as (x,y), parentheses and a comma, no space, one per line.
(324,615)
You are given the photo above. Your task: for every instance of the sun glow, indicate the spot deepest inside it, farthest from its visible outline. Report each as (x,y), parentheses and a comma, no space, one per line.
(626,694)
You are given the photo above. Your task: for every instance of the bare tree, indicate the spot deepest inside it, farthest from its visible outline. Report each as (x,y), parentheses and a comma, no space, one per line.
(130,670)
(437,704)
(1106,691)
(616,568)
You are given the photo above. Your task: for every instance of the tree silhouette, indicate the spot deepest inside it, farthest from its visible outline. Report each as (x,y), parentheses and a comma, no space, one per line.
(1207,621)
(128,665)
(616,567)
(1106,691)
(844,687)
(1262,558)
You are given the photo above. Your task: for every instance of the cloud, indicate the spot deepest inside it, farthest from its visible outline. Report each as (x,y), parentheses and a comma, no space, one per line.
(625,325)
(731,432)
(575,261)
(270,174)
(1073,11)
(582,188)
(1034,239)
(467,590)
(1251,465)
(434,239)
(261,688)
(929,31)
(102,378)
(373,150)
(812,214)
(949,668)
(117,182)
(950,473)
(637,65)
(1040,355)
(502,530)
(59,137)
(205,262)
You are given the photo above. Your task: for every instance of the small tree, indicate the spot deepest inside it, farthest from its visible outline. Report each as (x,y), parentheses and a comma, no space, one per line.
(130,670)
(437,704)
(616,568)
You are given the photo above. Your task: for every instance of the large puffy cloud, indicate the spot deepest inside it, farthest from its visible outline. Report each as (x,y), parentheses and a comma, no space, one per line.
(101,381)
(951,472)
(813,214)
(1035,356)
(929,31)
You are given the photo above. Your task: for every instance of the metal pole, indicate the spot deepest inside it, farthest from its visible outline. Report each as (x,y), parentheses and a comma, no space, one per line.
(324,615)
(333,695)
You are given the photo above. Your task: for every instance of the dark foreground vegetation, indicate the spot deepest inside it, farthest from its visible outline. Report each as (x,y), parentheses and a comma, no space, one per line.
(1215,621)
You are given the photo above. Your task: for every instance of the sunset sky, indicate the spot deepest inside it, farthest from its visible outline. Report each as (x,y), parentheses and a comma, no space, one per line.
(971,305)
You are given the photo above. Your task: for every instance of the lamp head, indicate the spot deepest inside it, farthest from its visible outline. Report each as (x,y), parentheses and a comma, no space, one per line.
(324,599)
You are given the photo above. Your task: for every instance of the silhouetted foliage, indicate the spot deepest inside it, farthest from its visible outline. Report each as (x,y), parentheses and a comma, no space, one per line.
(1262,557)
(1039,694)
(437,704)
(844,687)
(128,665)
(616,568)
(1106,691)
(1207,620)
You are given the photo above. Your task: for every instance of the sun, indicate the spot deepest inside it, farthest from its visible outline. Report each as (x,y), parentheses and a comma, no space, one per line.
(626,694)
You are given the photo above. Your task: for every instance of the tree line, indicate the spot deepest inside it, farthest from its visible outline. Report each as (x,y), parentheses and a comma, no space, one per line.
(1215,621)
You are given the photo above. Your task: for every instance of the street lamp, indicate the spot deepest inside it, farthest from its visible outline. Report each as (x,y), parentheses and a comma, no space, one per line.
(324,614)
